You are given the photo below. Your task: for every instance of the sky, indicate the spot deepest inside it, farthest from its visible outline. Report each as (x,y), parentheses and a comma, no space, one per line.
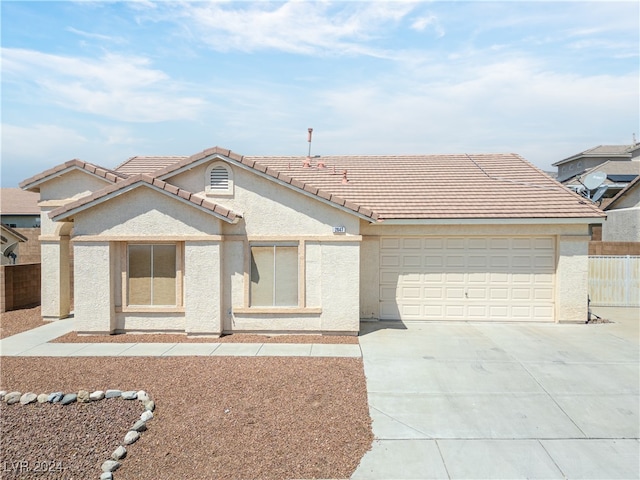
(104,81)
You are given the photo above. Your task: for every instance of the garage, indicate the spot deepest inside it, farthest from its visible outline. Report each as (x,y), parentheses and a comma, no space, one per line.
(505,279)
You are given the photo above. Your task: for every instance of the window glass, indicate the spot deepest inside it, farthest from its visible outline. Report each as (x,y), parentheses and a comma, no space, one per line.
(152,275)
(274,276)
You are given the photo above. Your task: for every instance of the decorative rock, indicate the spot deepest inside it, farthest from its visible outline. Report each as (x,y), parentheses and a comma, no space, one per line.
(55,397)
(106,476)
(139,426)
(3,393)
(150,405)
(119,453)
(27,398)
(129,395)
(83,396)
(143,396)
(68,398)
(97,395)
(43,398)
(110,466)
(12,397)
(112,393)
(146,416)
(131,437)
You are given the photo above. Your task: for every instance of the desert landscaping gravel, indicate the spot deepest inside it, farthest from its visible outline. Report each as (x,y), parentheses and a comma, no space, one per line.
(43,440)
(215,417)
(73,337)
(18,321)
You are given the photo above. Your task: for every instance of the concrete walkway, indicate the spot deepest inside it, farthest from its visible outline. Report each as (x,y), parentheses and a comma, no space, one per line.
(34,343)
(486,401)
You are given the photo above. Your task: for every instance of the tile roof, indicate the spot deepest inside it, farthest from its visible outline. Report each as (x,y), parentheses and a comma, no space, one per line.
(435,186)
(32,183)
(220,211)
(141,164)
(399,187)
(15,201)
(624,151)
(610,167)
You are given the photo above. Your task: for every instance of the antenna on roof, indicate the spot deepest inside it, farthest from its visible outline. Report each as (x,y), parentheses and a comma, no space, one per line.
(594,181)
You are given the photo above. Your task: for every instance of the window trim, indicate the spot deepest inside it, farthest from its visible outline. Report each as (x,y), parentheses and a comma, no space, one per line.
(124,282)
(209,191)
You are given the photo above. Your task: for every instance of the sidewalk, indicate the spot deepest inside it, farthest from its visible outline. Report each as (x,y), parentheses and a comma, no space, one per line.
(34,343)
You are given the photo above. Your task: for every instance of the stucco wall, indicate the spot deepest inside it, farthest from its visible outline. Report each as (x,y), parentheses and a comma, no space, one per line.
(203,288)
(145,212)
(73,184)
(94,281)
(622,225)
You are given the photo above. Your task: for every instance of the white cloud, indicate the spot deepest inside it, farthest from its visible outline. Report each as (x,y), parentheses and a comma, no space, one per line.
(114,86)
(95,36)
(298,27)
(421,24)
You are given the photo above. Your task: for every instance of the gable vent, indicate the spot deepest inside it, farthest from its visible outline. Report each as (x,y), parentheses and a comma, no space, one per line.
(219,179)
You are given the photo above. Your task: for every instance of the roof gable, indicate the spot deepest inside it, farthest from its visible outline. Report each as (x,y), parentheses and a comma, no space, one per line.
(143,181)
(33,183)
(633,187)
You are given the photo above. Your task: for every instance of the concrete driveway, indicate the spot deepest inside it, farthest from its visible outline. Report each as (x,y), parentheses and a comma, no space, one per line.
(481,400)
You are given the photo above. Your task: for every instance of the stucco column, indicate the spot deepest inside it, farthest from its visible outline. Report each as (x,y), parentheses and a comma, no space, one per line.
(55,276)
(203,288)
(572,278)
(94,310)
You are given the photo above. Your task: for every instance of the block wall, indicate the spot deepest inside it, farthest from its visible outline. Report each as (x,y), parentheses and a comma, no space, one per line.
(19,286)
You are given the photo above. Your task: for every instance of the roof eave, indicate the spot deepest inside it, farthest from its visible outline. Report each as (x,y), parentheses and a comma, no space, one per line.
(495,221)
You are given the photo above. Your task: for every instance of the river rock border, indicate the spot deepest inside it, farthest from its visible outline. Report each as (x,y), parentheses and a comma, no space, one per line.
(83,396)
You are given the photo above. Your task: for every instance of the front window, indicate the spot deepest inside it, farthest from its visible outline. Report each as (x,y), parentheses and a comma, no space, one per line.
(274,276)
(152,275)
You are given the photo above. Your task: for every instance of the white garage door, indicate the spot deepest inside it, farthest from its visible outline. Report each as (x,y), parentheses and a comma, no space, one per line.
(467,278)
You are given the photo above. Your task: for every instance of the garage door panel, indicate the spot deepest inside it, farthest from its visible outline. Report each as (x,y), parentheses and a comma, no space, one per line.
(467,278)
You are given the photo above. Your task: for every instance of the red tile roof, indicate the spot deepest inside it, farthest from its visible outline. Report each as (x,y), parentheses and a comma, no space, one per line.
(155,182)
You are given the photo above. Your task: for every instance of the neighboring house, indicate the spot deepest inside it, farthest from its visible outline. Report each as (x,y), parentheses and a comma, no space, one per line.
(218,242)
(19,211)
(10,239)
(576,165)
(619,174)
(623,215)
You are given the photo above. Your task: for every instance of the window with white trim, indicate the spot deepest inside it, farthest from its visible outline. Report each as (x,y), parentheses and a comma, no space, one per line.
(151,275)
(219,179)
(274,276)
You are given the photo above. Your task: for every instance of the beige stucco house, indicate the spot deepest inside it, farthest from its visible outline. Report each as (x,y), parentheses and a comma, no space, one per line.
(218,242)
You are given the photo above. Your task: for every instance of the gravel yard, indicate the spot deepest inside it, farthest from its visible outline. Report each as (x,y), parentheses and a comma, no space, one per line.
(17,321)
(216,417)
(73,337)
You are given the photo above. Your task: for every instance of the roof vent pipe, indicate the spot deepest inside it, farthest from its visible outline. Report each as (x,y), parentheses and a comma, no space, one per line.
(307,161)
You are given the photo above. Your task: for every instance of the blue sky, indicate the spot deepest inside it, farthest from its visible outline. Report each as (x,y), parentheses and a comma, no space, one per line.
(104,81)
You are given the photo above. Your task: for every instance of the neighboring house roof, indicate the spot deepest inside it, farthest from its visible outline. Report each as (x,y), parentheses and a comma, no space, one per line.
(613,169)
(142,180)
(635,184)
(34,182)
(18,235)
(622,151)
(140,164)
(15,201)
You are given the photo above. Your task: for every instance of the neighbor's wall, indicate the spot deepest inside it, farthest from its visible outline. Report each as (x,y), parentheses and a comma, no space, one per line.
(19,286)
(622,225)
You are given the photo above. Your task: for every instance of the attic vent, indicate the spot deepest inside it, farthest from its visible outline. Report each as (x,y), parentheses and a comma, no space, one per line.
(219,179)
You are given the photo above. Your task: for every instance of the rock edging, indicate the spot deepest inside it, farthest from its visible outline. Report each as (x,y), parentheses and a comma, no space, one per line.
(83,396)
